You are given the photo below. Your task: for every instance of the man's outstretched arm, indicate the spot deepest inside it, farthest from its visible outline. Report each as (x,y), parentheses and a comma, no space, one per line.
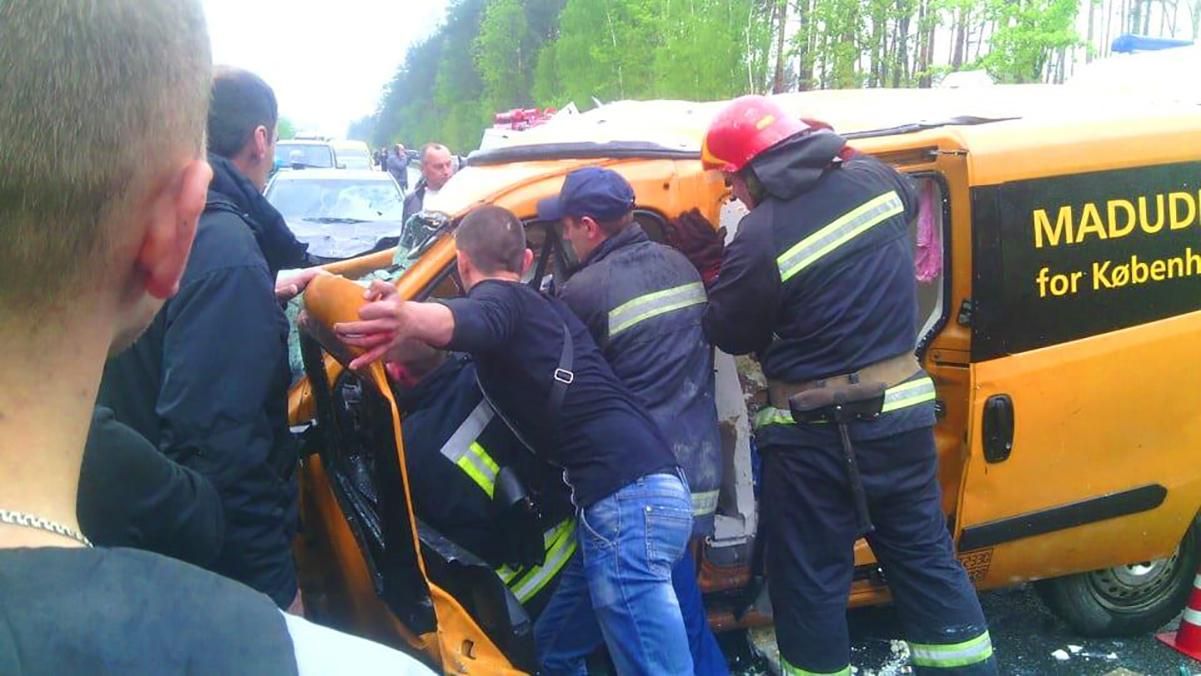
(387,320)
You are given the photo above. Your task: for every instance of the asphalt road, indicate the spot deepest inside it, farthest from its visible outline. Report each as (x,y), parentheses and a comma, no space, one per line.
(1024,635)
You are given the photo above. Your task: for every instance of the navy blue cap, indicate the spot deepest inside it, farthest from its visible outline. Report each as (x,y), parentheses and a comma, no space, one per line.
(602,194)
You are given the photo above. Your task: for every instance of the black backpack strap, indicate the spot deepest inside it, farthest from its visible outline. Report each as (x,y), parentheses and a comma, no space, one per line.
(501,414)
(563,376)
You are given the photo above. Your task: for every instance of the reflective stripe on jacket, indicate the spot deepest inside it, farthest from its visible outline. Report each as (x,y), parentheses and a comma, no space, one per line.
(454,447)
(525,583)
(898,399)
(819,279)
(643,303)
(465,451)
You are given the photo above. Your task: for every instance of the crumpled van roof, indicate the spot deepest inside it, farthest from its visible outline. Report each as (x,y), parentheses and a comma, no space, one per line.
(675,128)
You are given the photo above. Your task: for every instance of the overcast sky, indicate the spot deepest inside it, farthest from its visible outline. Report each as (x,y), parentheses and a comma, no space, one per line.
(327,61)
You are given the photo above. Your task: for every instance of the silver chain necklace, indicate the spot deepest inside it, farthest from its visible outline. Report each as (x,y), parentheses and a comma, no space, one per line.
(36,522)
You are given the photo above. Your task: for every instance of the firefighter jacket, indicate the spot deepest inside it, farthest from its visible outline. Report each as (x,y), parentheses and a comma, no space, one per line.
(455,445)
(819,279)
(642,302)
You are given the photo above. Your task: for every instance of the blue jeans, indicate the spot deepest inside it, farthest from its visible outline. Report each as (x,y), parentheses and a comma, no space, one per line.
(621,581)
(576,634)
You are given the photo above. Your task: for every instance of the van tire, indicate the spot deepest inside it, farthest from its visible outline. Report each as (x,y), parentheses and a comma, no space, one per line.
(1101,604)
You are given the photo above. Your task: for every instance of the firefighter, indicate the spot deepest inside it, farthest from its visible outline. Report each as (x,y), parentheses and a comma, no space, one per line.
(819,282)
(642,302)
(455,450)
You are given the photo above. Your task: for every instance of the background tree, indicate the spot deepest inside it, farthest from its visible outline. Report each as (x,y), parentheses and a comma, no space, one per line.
(491,55)
(1028,33)
(362,129)
(457,106)
(503,55)
(286,129)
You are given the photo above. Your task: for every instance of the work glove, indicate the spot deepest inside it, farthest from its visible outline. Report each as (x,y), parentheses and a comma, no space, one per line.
(700,243)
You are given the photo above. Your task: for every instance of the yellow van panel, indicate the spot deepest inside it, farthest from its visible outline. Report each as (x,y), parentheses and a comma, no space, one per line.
(1001,152)
(1093,417)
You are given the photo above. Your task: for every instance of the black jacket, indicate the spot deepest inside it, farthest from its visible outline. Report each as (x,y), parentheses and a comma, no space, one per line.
(207,383)
(454,446)
(131,495)
(819,278)
(643,302)
(600,435)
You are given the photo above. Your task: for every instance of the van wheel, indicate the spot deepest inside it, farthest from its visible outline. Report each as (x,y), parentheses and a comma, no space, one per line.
(1125,600)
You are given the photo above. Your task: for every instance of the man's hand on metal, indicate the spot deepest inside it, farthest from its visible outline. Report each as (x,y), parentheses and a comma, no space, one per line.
(379,325)
(387,320)
(289,287)
(697,239)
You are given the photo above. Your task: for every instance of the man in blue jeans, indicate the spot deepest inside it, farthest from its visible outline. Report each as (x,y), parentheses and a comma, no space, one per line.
(643,302)
(546,378)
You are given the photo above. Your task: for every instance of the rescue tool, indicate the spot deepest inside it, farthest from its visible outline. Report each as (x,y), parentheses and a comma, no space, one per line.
(842,405)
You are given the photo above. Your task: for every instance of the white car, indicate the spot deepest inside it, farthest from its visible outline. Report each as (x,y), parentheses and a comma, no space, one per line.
(339,213)
(305,154)
(351,155)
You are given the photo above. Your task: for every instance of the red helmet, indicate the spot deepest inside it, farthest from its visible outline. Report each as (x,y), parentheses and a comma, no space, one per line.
(744,128)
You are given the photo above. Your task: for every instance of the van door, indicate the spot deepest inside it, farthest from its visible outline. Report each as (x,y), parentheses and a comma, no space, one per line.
(1085,414)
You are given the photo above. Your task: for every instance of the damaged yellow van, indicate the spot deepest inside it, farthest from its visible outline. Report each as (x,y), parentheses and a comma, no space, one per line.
(1059,267)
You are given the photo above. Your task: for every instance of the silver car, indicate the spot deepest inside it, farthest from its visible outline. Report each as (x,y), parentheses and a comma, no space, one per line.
(339,213)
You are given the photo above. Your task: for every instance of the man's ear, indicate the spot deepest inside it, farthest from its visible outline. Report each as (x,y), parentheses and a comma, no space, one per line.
(464,266)
(592,228)
(163,254)
(527,260)
(261,140)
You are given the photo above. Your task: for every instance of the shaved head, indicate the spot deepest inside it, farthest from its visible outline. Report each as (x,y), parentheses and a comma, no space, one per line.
(493,238)
(99,99)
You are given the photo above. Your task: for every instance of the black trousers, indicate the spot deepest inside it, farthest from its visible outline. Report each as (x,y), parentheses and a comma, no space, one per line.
(809,518)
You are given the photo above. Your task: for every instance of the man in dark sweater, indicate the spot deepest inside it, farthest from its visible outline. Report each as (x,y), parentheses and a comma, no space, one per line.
(131,495)
(544,375)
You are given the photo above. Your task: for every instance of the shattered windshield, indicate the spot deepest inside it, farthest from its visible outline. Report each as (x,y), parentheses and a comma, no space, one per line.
(328,200)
